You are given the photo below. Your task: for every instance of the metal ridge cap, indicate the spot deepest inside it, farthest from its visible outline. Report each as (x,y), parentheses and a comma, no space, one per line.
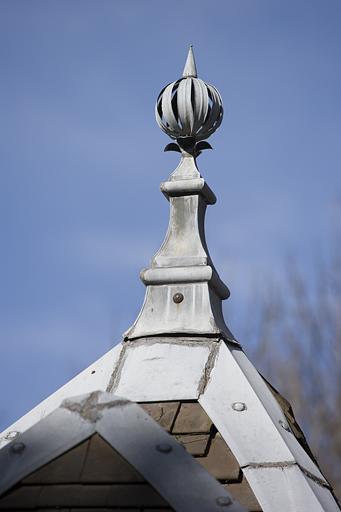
(133,434)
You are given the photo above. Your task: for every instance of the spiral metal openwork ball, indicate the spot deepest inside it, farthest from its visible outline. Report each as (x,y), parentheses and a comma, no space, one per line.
(189,107)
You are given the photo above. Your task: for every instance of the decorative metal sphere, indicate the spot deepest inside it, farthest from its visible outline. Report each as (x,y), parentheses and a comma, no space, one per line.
(189,107)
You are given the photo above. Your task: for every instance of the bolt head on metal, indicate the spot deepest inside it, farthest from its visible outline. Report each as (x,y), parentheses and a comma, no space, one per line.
(223,501)
(177,298)
(12,434)
(284,425)
(18,448)
(239,406)
(164,448)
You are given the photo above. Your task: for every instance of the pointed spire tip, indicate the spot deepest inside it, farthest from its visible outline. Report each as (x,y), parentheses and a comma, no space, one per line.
(190,68)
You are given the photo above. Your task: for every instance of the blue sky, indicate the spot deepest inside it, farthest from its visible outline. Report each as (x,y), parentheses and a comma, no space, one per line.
(82,159)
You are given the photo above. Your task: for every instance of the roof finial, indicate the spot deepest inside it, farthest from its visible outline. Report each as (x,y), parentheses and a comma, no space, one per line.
(184,291)
(190,68)
(189,110)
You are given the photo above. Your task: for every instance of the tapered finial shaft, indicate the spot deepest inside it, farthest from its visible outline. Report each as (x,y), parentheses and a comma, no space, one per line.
(190,68)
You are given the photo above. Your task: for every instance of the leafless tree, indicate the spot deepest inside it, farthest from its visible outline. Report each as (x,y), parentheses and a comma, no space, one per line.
(296,345)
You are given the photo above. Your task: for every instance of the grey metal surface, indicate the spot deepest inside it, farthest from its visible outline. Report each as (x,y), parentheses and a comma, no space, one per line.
(175,474)
(161,370)
(183,265)
(286,489)
(253,431)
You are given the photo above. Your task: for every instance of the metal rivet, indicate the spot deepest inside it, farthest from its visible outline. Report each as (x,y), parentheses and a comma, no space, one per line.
(223,501)
(284,425)
(17,448)
(178,297)
(12,435)
(239,406)
(164,448)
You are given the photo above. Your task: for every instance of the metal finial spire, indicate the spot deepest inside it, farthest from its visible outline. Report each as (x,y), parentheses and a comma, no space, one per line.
(189,110)
(190,68)
(184,291)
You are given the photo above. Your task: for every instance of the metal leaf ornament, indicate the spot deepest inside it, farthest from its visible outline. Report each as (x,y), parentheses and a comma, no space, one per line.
(189,110)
